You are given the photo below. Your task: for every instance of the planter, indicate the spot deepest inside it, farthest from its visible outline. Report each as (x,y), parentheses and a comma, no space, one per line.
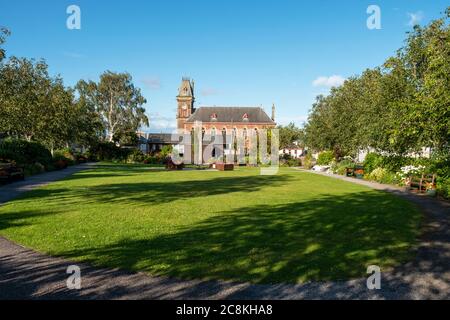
(349,172)
(224,166)
(359,173)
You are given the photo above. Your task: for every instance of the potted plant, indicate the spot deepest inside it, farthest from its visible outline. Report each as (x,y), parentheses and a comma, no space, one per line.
(359,172)
(430,189)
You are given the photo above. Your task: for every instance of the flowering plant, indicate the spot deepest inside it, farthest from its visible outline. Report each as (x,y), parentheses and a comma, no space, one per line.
(406,171)
(430,186)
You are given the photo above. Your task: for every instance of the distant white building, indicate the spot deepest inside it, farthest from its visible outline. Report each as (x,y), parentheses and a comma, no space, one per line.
(293,150)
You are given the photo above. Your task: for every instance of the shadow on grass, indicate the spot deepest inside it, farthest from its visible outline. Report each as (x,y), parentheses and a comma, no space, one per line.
(106,170)
(158,192)
(329,238)
(12,219)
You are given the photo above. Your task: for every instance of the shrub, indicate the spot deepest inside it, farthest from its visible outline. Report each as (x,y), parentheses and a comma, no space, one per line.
(67,153)
(25,152)
(308,161)
(443,187)
(372,161)
(340,167)
(60,161)
(325,158)
(390,178)
(383,175)
(285,156)
(34,168)
(394,163)
(293,162)
(135,156)
(377,174)
(63,155)
(153,159)
(288,161)
(166,151)
(108,151)
(440,163)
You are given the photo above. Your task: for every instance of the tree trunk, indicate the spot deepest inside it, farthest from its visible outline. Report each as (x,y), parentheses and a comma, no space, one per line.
(110,136)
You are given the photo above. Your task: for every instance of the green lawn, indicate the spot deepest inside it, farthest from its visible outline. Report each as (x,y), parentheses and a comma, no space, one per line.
(291,227)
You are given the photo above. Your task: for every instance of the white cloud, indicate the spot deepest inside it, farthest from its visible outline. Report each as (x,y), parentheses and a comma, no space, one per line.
(159,122)
(152,83)
(415,18)
(331,81)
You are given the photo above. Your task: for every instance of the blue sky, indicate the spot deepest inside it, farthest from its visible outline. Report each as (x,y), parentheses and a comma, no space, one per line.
(247,52)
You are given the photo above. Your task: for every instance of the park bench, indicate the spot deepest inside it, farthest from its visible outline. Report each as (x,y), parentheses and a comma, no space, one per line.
(421,183)
(10,172)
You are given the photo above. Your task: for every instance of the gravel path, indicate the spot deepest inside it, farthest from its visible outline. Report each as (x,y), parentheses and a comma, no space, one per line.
(12,190)
(26,274)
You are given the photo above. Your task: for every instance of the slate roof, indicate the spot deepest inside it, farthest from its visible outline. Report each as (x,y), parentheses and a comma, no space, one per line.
(230,114)
(157,138)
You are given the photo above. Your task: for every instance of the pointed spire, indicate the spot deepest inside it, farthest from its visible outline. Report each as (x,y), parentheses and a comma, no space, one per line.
(187,88)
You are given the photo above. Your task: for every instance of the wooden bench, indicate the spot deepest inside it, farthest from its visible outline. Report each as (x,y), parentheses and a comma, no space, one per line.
(421,182)
(10,172)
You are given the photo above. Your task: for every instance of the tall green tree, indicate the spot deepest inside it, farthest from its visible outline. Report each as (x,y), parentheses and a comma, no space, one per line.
(35,106)
(4,32)
(289,134)
(25,88)
(432,58)
(117,101)
(54,129)
(399,107)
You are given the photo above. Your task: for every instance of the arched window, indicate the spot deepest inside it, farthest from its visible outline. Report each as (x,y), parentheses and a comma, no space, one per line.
(213,131)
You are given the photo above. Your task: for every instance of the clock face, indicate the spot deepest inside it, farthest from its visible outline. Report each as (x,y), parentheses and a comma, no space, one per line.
(184,107)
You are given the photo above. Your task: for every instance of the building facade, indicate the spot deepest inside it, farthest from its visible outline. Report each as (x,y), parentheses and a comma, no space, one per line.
(214,120)
(294,151)
(217,119)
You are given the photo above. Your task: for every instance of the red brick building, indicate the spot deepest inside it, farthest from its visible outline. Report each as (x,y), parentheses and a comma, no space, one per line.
(217,119)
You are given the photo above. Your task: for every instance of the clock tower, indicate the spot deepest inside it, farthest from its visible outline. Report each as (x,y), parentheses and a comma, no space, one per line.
(185,100)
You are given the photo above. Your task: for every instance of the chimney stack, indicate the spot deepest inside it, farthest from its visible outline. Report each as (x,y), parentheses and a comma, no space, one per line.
(273,112)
